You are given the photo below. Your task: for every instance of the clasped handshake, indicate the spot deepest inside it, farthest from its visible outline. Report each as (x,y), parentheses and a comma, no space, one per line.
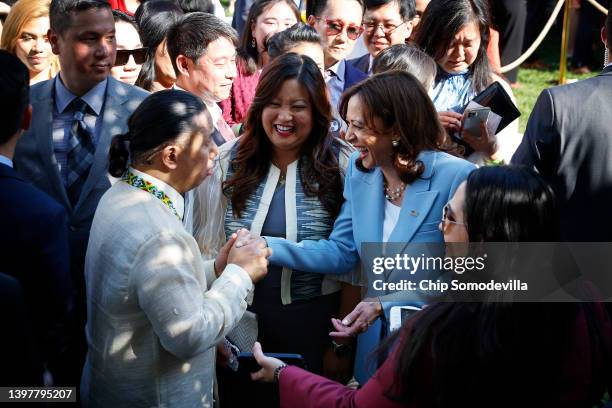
(247,250)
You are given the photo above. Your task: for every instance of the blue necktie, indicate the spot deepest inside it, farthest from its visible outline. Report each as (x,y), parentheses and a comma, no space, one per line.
(80,151)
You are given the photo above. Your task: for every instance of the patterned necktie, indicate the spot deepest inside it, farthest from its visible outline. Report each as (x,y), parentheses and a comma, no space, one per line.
(80,151)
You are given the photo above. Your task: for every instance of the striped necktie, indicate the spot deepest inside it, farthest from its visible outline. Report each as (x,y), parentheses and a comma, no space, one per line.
(80,151)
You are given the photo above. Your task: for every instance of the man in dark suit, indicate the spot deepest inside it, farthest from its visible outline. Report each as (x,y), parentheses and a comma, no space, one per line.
(74,117)
(35,239)
(386,23)
(569,141)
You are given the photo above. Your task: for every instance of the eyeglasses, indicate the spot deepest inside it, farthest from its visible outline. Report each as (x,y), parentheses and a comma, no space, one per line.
(123,56)
(335,27)
(445,220)
(388,28)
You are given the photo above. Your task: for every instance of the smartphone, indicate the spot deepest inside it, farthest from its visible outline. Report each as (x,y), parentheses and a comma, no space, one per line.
(399,314)
(246,361)
(472,119)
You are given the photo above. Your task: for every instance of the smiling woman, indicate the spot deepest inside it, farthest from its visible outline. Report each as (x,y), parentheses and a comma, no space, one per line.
(282,178)
(25,35)
(395,188)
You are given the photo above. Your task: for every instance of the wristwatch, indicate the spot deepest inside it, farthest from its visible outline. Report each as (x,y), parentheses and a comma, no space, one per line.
(341,350)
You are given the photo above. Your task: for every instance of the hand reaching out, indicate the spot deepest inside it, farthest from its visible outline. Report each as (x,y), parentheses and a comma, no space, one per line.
(268,365)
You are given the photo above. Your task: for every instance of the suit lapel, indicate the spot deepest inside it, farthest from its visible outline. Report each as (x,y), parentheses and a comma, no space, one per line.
(114,118)
(43,131)
(418,200)
(363,63)
(368,202)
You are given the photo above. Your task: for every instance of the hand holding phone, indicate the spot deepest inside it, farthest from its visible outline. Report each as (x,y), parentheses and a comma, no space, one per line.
(473,120)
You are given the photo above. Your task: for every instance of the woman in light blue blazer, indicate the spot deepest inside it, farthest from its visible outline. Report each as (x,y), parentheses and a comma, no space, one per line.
(395,188)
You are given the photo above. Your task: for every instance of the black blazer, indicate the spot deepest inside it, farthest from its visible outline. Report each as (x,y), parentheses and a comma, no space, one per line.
(34,242)
(569,141)
(20,363)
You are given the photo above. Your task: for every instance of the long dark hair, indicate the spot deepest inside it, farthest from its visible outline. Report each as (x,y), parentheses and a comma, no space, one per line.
(159,119)
(320,174)
(509,204)
(443,19)
(403,107)
(500,354)
(246,51)
(154,20)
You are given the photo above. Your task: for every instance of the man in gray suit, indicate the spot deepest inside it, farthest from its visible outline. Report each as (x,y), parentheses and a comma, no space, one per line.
(569,141)
(74,116)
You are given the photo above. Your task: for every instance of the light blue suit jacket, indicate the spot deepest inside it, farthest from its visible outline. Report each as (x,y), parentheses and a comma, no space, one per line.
(361,220)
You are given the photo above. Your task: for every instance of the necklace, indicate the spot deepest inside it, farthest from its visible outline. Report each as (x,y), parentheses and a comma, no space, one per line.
(392,194)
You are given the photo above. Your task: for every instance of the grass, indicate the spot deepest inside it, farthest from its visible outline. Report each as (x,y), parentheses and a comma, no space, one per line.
(533,81)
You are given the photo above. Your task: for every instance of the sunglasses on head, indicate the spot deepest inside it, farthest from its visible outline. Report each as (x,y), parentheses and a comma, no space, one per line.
(139,54)
(335,27)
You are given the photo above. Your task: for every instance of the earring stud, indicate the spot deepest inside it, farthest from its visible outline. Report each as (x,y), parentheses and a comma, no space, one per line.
(395,143)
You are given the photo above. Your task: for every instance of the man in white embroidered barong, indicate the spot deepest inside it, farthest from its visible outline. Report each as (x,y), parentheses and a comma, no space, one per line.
(154,315)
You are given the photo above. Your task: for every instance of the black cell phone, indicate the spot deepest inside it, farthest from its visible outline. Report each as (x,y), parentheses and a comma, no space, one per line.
(247,361)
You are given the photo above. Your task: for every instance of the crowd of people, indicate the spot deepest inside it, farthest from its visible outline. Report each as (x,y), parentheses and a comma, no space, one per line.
(171,185)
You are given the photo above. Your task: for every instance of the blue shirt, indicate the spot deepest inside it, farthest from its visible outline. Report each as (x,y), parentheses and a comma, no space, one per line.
(63,117)
(335,86)
(452,92)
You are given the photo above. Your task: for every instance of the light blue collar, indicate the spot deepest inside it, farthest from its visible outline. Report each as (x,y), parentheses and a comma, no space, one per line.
(6,160)
(94,97)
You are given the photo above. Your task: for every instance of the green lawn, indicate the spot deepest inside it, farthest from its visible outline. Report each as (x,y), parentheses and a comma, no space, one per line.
(534,81)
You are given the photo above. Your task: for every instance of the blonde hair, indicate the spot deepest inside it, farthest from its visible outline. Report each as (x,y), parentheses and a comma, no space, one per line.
(21,14)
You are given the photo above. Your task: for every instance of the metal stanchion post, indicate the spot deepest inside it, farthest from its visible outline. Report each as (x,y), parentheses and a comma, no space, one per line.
(564,43)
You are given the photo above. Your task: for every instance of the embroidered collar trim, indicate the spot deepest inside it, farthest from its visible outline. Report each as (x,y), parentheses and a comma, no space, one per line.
(135,181)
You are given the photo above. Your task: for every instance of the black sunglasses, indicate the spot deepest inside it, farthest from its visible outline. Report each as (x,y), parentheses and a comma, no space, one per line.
(139,54)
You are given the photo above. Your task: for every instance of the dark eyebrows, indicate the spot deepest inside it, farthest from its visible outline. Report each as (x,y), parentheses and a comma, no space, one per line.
(96,33)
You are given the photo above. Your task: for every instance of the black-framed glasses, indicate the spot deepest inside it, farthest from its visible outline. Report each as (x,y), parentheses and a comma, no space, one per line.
(388,28)
(445,220)
(123,56)
(335,27)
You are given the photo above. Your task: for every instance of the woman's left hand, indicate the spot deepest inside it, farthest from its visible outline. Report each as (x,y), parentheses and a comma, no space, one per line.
(359,320)
(268,365)
(485,143)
